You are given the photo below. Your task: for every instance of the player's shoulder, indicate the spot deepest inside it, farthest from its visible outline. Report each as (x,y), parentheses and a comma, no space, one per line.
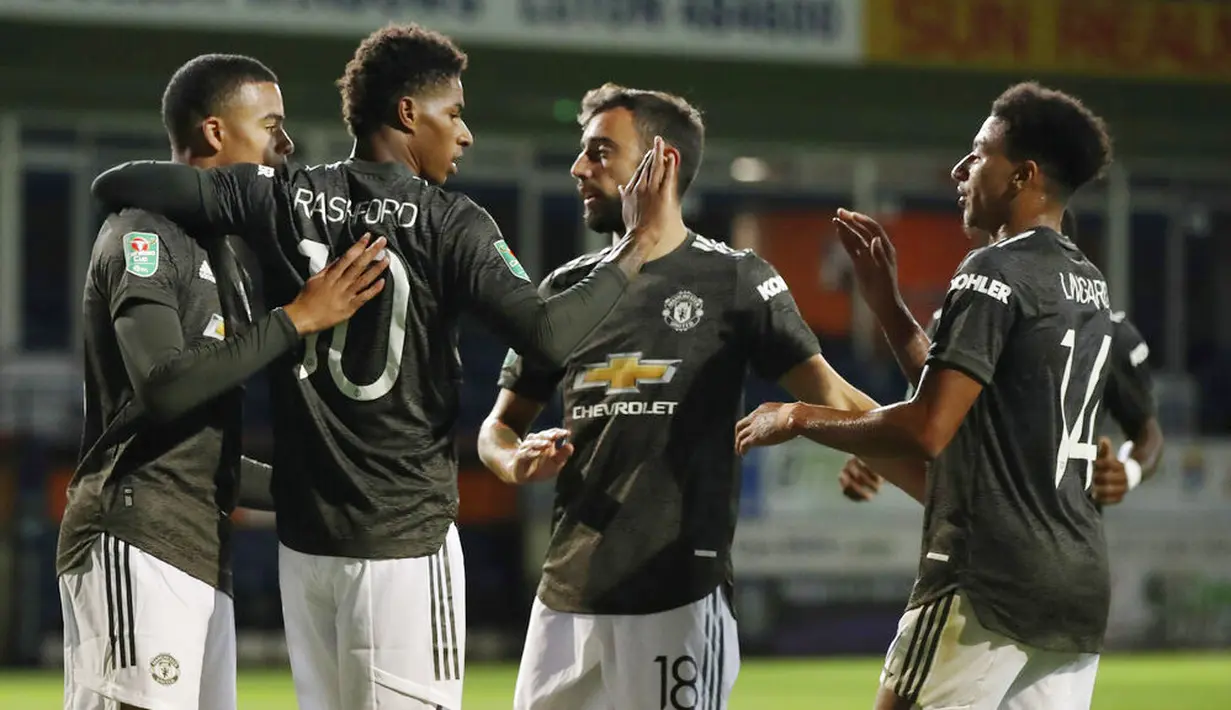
(710,256)
(1126,338)
(702,249)
(141,230)
(452,210)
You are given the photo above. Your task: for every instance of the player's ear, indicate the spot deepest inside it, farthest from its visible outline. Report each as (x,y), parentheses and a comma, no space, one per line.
(1026,174)
(213,131)
(407,112)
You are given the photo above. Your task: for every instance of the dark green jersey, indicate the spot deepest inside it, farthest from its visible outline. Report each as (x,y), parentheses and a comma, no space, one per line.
(646,508)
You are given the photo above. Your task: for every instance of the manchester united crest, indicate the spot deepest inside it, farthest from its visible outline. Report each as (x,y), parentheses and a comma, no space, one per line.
(683,311)
(165,669)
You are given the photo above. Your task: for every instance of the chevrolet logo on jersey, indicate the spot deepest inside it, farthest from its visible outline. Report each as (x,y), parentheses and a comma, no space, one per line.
(624,373)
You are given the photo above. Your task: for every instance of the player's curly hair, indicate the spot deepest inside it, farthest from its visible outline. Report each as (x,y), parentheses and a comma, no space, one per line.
(657,114)
(396,61)
(201,88)
(1068,140)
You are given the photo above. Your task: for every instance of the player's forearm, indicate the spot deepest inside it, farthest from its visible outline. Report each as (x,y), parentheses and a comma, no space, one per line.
(170,381)
(255,484)
(1147,448)
(907,340)
(897,431)
(910,475)
(497,445)
(552,328)
(175,190)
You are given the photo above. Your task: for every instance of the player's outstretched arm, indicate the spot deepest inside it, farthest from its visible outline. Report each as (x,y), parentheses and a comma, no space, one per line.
(919,429)
(235,199)
(170,379)
(513,455)
(494,284)
(814,381)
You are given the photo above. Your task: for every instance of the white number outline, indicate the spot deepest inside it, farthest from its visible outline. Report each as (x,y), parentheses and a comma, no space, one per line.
(318,256)
(1071,445)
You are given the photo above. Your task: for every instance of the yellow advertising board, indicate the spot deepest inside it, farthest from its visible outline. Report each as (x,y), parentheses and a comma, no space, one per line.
(1161,39)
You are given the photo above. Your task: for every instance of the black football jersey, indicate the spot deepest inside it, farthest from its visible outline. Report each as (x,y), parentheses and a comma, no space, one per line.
(645,509)
(1129,392)
(364,462)
(1008,516)
(167,489)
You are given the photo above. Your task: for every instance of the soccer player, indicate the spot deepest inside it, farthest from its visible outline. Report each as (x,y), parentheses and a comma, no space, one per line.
(145,544)
(633,608)
(1129,398)
(1010,605)
(365,472)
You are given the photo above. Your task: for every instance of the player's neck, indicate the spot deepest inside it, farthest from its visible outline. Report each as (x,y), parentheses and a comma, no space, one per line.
(1049,216)
(187,157)
(672,238)
(385,146)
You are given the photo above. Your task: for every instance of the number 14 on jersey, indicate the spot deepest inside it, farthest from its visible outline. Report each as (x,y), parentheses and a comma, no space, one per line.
(1072,446)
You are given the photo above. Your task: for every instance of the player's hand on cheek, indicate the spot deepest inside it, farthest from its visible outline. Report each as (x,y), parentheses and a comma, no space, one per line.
(1110,480)
(541,455)
(336,292)
(768,424)
(858,482)
(650,200)
(873,257)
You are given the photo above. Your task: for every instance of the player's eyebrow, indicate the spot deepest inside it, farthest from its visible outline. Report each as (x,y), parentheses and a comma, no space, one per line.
(273,116)
(597,142)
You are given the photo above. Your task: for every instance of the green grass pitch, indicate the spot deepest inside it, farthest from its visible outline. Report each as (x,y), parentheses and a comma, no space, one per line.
(1125,682)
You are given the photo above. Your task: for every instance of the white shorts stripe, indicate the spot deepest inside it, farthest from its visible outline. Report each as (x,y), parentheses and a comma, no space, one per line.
(923,648)
(452,626)
(121,629)
(445,656)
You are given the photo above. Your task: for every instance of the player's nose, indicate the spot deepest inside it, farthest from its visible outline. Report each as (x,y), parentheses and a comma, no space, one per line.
(581,167)
(466,138)
(961,171)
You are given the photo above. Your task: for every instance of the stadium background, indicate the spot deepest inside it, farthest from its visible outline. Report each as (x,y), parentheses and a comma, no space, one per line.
(810,105)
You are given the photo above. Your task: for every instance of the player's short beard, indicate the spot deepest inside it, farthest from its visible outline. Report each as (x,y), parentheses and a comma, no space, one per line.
(606,216)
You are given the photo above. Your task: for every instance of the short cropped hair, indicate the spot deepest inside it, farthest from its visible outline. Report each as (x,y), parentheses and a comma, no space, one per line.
(1068,141)
(657,113)
(397,61)
(202,87)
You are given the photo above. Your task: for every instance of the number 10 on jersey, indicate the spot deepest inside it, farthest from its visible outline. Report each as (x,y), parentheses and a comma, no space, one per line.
(1072,446)
(318,256)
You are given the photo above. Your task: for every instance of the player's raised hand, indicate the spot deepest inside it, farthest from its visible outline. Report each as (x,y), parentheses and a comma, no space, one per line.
(874,259)
(651,197)
(541,455)
(768,424)
(334,293)
(858,482)
(1110,479)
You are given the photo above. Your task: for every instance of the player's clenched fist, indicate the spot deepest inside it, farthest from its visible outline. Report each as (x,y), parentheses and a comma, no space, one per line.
(541,455)
(858,482)
(334,293)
